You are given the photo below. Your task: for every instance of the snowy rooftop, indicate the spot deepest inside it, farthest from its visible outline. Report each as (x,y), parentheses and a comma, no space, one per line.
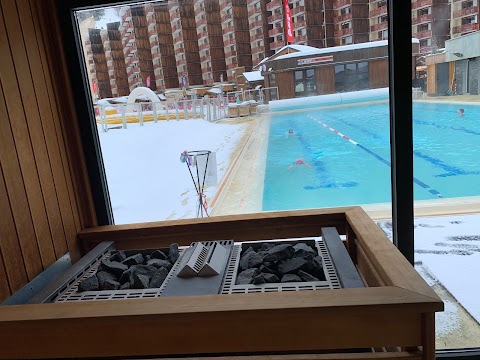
(253,76)
(334,49)
(297,48)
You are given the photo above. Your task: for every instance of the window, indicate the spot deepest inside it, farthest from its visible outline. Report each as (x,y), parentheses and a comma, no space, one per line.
(347,40)
(305,83)
(345,11)
(423,27)
(351,77)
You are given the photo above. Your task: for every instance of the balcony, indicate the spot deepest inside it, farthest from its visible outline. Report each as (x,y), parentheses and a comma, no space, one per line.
(176,28)
(464,12)
(341,3)
(258,50)
(465,28)
(199,10)
(298,10)
(301,38)
(179,51)
(343,32)
(229,54)
(343,17)
(201,22)
(206,69)
(202,34)
(225,4)
(204,47)
(422,19)
(256,24)
(152,32)
(228,30)
(181,62)
(299,24)
(277,45)
(421,3)
(254,11)
(275,31)
(177,39)
(205,58)
(229,42)
(423,34)
(426,49)
(275,17)
(273,4)
(380,11)
(378,27)
(257,37)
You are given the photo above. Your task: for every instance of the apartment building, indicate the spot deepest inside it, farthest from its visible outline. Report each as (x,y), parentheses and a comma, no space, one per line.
(430,23)
(98,65)
(258,22)
(352,22)
(378,20)
(464,17)
(236,36)
(117,72)
(210,41)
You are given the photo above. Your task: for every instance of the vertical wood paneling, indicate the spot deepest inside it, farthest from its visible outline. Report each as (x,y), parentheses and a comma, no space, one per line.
(378,73)
(287,91)
(13,176)
(14,74)
(45,198)
(9,246)
(325,76)
(432,79)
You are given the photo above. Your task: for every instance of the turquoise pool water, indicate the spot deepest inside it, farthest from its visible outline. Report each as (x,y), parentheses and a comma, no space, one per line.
(355,169)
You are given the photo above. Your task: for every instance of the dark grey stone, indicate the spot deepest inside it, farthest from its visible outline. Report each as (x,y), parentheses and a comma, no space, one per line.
(118,256)
(104,276)
(158,278)
(158,254)
(266,269)
(128,276)
(263,278)
(110,285)
(113,267)
(306,276)
(173,253)
(290,266)
(266,246)
(125,286)
(246,277)
(315,267)
(290,278)
(250,249)
(303,251)
(140,281)
(89,284)
(279,252)
(158,263)
(250,260)
(136,259)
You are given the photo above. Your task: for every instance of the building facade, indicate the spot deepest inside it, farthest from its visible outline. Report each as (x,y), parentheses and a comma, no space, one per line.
(464,17)
(351,21)
(431,23)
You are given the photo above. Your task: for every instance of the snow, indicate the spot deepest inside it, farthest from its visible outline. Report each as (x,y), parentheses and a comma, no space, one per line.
(449,246)
(253,76)
(335,49)
(147,181)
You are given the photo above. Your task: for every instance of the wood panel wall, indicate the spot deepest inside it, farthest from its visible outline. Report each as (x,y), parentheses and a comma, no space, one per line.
(325,77)
(44,193)
(287,90)
(432,79)
(378,73)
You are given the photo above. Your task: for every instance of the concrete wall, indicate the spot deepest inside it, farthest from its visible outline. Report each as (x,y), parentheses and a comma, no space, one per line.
(467,45)
(461,76)
(474,75)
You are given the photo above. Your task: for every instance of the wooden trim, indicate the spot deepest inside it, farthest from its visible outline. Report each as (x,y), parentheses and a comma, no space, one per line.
(392,268)
(428,336)
(342,356)
(369,317)
(260,226)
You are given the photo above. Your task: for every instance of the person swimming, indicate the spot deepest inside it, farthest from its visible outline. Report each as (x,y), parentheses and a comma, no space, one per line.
(299,162)
(460,112)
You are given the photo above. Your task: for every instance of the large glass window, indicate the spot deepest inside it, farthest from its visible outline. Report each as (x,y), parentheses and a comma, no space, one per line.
(305,83)
(351,77)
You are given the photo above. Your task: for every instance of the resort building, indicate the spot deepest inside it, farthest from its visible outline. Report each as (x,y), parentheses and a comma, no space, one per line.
(464,20)
(351,21)
(303,71)
(430,23)
(258,23)
(98,66)
(112,44)
(378,20)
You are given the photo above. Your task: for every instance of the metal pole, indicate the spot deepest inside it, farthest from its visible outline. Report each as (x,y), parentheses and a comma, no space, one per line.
(185,109)
(104,119)
(124,116)
(167,116)
(140,114)
(401,129)
(176,108)
(154,111)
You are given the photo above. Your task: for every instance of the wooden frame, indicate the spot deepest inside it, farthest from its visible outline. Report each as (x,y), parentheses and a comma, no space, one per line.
(395,312)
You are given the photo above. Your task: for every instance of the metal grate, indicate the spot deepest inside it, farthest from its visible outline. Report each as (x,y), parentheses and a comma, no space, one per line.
(331,282)
(71,294)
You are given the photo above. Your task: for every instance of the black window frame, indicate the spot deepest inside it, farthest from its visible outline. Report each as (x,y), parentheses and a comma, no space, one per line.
(401,134)
(305,79)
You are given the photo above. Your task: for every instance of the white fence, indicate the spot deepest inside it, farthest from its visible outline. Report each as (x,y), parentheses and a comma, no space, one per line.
(210,109)
(262,96)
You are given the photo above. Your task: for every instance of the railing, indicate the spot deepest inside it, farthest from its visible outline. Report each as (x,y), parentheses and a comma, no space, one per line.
(273,4)
(344,32)
(421,19)
(275,17)
(465,12)
(202,34)
(256,24)
(300,38)
(201,22)
(380,11)
(421,3)
(465,28)
(209,109)
(339,3)
(204,46)
(229,42)
(276,45)
(299,24)
(343,17)
(275,31)
(229,54)
(228,29)
(298,10)
(259,36)
(423,34)
(378,27)
(254,11)
(225,5)
(199,10)
(258,49)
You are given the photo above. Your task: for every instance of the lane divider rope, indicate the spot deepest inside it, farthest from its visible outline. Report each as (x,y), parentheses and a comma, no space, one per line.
(378,157)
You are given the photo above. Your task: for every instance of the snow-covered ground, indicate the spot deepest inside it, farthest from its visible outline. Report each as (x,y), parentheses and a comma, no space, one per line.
(147,181)
(448,247)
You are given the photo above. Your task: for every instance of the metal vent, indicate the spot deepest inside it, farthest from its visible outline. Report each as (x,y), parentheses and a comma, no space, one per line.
(331,282)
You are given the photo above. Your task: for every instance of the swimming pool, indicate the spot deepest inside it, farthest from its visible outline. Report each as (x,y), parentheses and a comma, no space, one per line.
(348,151)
